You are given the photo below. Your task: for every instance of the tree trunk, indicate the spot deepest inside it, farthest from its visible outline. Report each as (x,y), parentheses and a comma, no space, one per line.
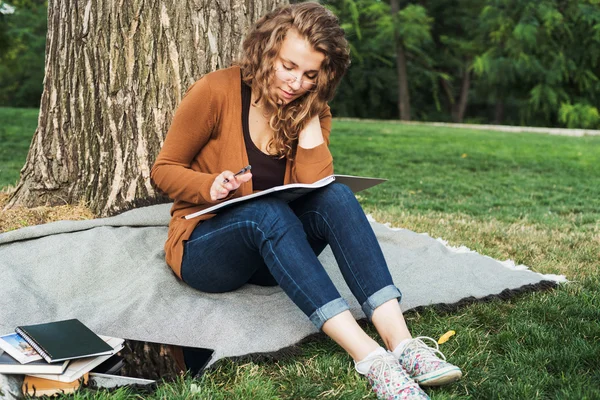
(115,72)
(450,96)
(461,106)
(458,108)
(403,94)
(499,112)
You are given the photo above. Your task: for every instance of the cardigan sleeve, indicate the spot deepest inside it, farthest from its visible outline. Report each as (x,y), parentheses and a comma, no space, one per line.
(192,127)
(313,164)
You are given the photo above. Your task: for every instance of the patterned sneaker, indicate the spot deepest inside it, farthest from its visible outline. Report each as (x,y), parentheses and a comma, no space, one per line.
(424,365)
(391,382)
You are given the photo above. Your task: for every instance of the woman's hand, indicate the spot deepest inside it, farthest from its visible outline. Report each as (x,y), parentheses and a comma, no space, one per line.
(221,188)
(311,136)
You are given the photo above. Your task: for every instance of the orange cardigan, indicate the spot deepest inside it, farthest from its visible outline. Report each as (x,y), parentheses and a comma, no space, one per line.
(205,139)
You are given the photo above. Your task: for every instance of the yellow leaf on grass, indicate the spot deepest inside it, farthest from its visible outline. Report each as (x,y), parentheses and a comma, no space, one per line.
(444,338)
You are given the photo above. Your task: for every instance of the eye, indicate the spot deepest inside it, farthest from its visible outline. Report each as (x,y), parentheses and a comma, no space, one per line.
(287,68)
(311,77)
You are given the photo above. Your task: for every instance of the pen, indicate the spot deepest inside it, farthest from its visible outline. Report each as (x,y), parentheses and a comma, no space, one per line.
(241,171)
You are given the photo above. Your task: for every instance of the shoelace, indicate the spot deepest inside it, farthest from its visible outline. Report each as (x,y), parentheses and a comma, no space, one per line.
(389,361)
(427,354)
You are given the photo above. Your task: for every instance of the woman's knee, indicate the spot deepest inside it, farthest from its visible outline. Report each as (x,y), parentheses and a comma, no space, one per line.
(337,197)
(339,189)
(337,194)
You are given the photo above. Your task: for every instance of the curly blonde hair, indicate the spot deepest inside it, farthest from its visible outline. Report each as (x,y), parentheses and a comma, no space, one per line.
(321,29)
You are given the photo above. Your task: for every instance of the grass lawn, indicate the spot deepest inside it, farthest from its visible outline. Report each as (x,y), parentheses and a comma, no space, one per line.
(528,197)
(17,126)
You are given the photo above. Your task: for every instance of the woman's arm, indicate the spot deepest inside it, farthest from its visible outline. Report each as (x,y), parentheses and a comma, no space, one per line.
(312,135)
(313,159)
(192,127)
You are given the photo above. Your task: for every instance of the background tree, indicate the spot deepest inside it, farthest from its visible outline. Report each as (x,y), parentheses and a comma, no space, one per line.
(411,29)
(5,10)
(458,40)
(388,46)
(543,58)
(22,44)
(371,76)
(115,71)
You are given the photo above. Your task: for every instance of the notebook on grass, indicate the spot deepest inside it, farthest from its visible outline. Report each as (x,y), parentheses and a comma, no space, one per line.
(64,340)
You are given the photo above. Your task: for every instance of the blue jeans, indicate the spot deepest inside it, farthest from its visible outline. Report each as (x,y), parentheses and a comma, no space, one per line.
(268,242)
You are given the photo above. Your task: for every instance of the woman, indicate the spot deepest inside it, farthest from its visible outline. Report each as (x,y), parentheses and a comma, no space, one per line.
(271,112)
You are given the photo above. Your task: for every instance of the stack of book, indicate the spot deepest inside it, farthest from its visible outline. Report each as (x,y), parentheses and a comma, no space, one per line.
(55,357)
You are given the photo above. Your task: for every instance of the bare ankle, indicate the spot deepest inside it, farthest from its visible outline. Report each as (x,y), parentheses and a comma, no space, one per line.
(344,330)
(392,342)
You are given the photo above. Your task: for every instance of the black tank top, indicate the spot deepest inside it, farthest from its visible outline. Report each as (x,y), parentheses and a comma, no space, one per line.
(267,170)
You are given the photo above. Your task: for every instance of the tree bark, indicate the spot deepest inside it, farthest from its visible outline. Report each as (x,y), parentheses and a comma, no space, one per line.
(115,72)
(403,94)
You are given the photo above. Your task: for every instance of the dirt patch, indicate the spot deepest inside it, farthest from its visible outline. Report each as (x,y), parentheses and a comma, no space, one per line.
(20,217)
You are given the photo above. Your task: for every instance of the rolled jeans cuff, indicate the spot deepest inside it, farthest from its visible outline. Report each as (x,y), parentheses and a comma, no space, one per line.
(328,311)
(379,297)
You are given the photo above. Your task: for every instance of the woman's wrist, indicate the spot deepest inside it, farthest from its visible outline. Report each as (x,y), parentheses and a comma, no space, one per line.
(311,136)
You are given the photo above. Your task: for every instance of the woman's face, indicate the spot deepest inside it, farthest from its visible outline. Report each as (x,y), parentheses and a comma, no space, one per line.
(296,67)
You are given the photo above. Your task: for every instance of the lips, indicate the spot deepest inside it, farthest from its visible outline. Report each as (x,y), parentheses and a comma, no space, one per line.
(287,95)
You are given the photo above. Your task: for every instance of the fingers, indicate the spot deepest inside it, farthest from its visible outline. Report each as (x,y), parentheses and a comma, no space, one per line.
(236,181)
(219,189)
(233,182)
(225,183)
(243,178)
(227,176)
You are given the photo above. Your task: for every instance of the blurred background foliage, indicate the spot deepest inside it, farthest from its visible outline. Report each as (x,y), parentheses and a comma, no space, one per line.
(22,46)
(519,62)
(515,62)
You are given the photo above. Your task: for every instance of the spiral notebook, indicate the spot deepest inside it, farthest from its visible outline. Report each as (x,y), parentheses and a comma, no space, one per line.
(64,340)
(293,191)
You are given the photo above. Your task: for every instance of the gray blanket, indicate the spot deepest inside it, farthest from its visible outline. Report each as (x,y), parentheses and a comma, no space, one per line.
(110,273)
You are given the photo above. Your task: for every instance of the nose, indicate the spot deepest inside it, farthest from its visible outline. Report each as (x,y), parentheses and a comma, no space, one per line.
(295,84)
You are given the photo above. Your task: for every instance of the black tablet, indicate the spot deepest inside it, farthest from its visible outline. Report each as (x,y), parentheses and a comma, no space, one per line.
(155,361)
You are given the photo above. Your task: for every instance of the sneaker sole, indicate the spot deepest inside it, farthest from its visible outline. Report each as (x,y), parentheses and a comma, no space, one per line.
(440,377)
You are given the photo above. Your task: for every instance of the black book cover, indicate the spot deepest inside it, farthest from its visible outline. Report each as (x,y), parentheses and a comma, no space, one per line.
(64,340)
